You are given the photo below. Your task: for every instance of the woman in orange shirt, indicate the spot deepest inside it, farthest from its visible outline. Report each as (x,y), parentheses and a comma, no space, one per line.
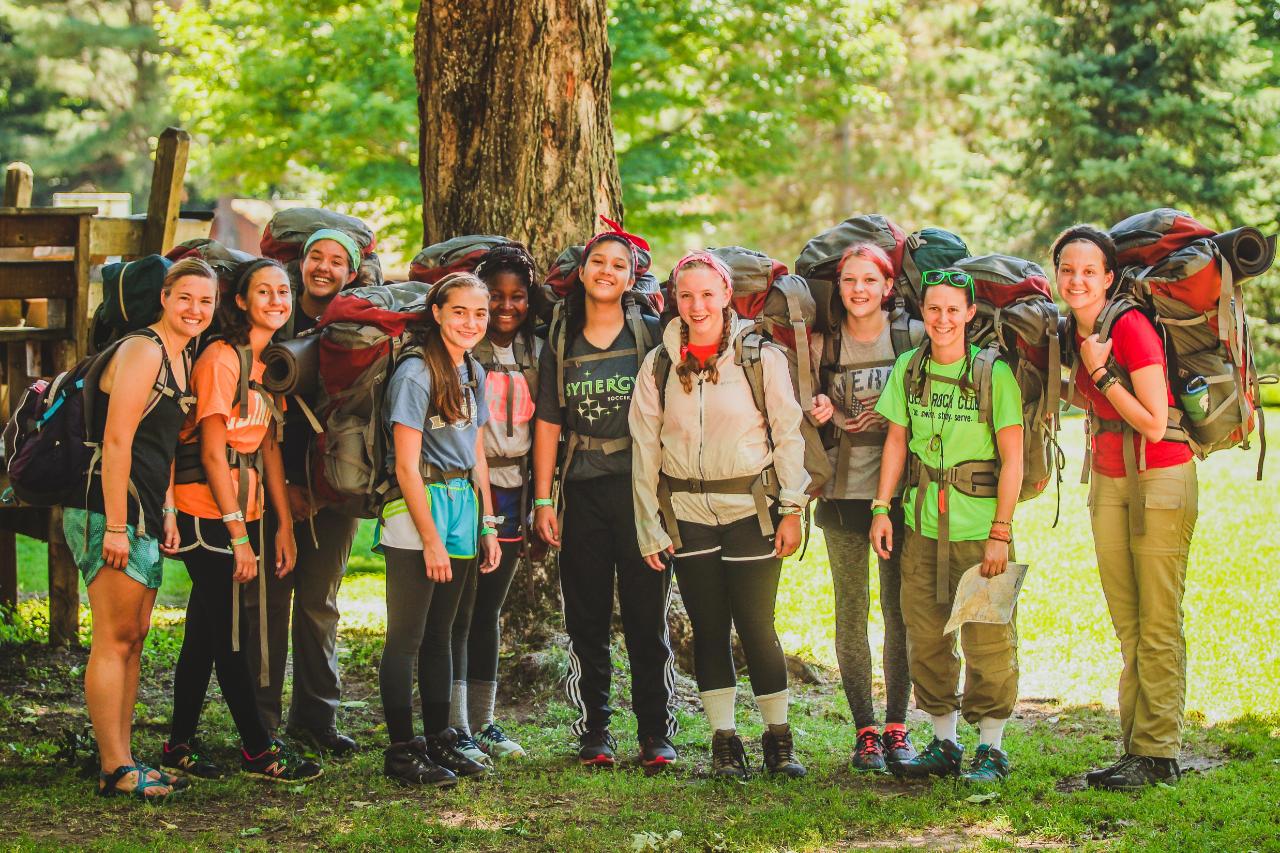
(228,445)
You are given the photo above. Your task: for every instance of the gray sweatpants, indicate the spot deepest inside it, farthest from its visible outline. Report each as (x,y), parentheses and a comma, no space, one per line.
(846,526)
(311,592)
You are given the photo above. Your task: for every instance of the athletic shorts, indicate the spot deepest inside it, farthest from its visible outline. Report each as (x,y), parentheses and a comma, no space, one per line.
(507,505)
(454,510)
(737,542)
(85,530)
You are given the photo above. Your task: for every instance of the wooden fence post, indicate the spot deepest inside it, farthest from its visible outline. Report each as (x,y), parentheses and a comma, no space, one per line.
(166,191)
(18,181)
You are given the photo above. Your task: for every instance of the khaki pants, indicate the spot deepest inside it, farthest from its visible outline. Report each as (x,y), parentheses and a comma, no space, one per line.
(990,651)
(1143,578)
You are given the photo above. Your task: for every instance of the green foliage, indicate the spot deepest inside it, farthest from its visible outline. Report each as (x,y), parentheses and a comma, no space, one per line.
(81,93)
(295,99)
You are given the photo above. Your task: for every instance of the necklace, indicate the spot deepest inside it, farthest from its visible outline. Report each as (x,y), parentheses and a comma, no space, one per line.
(935,441)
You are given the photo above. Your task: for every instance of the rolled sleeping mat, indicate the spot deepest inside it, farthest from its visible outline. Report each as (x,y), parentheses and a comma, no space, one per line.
(292,367)
(1249,252)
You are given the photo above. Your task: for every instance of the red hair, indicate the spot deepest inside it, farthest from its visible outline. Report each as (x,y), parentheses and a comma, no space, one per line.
(868,252)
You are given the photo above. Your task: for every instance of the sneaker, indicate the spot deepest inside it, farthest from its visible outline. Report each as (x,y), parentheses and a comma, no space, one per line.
(495,742)
(1094,777)
(940,758)
(468,747)
(657,752)
(1142,771)
(444,749)
(408,764)
(780,752)
(328,740)
(990,764)
(868,754)
(183,760)
(596,747)
(278,763)
(897,744)
(728,756)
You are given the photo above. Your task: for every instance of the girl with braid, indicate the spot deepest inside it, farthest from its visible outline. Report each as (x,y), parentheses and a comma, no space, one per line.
(730,486)
(509,355)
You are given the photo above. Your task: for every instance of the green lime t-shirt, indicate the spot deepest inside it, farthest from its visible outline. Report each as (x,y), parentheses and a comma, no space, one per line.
(954,416)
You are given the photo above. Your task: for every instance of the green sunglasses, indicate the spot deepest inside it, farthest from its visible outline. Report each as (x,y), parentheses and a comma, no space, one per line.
(955,278)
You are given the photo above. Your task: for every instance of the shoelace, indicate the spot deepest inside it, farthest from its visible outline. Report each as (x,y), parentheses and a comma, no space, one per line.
(729,753)
(896,739)
(494,734)
(869,742)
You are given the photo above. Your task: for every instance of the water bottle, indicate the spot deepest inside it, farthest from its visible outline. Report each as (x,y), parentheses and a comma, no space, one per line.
(1195,398)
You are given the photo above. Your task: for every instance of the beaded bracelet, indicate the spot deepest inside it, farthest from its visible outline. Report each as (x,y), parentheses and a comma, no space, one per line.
(117,528)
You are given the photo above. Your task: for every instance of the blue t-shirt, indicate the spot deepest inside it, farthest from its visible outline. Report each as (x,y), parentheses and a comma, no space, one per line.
(445,445)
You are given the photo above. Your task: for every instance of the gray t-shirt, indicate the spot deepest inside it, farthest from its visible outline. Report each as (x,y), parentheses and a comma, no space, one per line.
(447,446)
(854,394)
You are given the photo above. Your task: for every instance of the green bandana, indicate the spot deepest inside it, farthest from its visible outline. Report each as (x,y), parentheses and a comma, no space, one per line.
(342,239)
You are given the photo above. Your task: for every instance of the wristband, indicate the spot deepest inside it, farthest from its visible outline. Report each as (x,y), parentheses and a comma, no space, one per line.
(1095,370)
(879,510)
(234,516)
(1002,523)
(492,520)
(878,504)
(488,531)
(537,502)
(1108,380)
(243,540)
(790,510)
(169,510)
(117,528)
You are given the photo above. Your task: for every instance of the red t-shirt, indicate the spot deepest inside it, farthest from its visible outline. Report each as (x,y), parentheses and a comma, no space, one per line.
(1135,346)
(704,354)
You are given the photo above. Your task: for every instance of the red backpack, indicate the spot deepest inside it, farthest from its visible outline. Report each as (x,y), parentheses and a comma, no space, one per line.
(461,254)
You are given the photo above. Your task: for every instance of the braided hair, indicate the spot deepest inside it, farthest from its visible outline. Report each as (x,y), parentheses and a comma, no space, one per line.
(513,258)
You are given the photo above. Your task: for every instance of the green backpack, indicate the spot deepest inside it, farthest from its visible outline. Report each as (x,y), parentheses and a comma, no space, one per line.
(927,249)
(130,299)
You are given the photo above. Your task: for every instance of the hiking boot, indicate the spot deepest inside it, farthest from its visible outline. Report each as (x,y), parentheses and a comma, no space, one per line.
(596,747)
(443,749)
(496,744)
(468,747)
(868,754)
(1140,772)
(330,740)
(897,745)
(940,758)
(1094,777)
(183,760)
(989,765)
(657,752)
(780,752)
(728,756)
(278,763)
(408,764)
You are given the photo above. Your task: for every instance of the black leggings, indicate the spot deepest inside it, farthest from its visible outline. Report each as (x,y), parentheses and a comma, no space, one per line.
(206,641)
(420,614)
(728,576)
(476,633)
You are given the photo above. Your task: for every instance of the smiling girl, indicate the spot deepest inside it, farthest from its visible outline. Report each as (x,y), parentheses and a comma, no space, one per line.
(428,530)
(229,457)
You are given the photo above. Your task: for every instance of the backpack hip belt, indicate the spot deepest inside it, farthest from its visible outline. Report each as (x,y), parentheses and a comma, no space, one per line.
(431,473)
(575,442)
(979,478)
(761,487)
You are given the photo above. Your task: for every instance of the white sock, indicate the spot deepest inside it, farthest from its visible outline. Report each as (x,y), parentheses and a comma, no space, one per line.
(718,705)
(991,731)
(773,707)
(458,707)
(480,699)
(944,726)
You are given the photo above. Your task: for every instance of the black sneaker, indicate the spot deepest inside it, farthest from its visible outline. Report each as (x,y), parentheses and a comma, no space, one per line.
(940,758)
(989,765)
(596,748)
(1142,771)
(278,763)
(408,764)
(780,752)
(443,749)
(897,745)
(656,752)
(328,740)
(1094,777)
(868,754)
(183,760)
(728,756)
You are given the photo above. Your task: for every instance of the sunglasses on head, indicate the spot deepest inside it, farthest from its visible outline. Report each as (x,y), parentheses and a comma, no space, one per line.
(955,278)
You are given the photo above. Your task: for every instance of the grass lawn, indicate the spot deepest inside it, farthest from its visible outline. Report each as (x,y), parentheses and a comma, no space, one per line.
(1065,725)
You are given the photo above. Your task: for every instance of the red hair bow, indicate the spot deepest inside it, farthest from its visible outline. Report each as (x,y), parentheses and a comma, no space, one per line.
(616,229)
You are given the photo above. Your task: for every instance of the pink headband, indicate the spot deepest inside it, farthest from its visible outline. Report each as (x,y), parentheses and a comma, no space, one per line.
(710,260)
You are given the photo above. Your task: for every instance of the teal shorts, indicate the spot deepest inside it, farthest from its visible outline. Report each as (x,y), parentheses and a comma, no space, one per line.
(85,529)
(454,510)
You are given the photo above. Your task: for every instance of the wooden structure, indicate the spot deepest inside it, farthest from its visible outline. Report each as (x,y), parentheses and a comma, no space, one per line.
(45,256)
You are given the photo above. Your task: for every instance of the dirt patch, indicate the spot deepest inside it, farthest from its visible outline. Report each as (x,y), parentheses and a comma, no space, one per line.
(946,841)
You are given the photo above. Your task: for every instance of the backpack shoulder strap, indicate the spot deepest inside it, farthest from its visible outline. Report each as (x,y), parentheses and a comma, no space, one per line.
(982,371)
(905,332)
(639,331)
(747,356)
(661,373)
(556,340)
(917,366)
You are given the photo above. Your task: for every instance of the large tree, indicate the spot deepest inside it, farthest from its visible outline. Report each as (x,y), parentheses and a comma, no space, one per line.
(515,130)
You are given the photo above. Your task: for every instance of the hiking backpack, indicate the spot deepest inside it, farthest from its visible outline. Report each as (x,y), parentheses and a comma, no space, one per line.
(226,262)
(564,275)
(821,255)
(926,249)
(289,230)
(461,254)
(782,307)
(130,299)
(1186,280)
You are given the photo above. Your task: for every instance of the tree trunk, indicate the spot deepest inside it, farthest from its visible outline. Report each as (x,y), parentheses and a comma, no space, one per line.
(515,134)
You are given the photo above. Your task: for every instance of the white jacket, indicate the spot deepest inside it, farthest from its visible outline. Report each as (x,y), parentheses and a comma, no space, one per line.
(713,433)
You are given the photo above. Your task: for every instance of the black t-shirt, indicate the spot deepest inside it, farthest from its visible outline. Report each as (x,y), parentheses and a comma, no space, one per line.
(597,397)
